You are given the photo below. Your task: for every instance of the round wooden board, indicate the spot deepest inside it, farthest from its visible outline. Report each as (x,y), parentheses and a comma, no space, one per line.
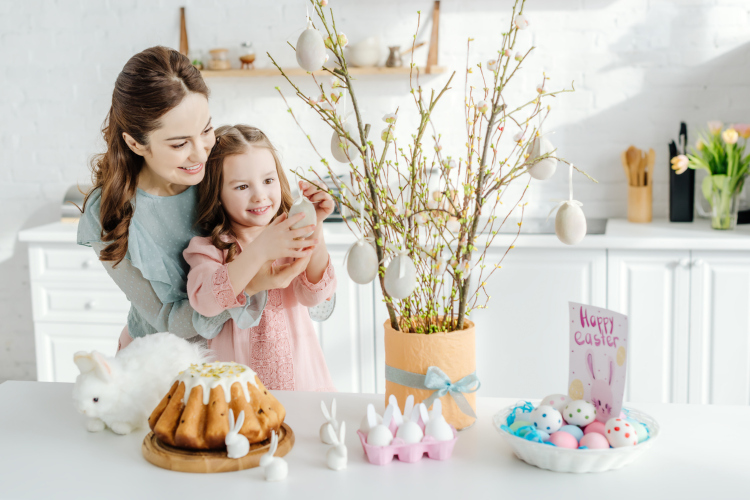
(168,457)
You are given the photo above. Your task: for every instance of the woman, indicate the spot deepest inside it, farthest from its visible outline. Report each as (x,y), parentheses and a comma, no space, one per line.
(140,214)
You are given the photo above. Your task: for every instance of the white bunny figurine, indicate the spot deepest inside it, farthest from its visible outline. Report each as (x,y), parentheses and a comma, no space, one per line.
(397,416)
(237,445)
(380,434)
(436,426)
(330,422)
(410,431)
(336,456)
(274,468)
(121,392)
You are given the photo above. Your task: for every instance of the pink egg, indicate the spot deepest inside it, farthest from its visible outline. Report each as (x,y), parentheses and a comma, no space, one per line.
(594,441)
(564,440)
(597,427)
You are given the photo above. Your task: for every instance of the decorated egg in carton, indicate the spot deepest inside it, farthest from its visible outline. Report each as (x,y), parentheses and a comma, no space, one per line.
(416,433)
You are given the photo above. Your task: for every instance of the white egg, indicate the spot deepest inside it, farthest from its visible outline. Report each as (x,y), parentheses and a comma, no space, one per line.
(620,433)
(379,435)
(556,401)
(400,287)
(311,51)
(544,168)
(438,428)
(570,224)
(339,143)
(362,262)
(364,425)
(306,207)
(579,412)
(411,432)
(547,419)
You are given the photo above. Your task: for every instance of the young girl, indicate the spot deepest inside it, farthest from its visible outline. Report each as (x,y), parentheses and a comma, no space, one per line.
(242,206)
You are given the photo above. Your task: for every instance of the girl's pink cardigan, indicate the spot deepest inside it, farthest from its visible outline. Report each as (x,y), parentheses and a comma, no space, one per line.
(283,349)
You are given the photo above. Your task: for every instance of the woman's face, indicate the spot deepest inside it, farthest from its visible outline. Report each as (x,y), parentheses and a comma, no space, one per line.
(177,151)
(251,193)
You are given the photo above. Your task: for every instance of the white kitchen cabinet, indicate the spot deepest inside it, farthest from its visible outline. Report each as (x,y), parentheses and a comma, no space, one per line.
(652,287)
(720,327)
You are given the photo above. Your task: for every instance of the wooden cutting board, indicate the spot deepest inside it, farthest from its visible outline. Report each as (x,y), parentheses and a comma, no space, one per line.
(169,457)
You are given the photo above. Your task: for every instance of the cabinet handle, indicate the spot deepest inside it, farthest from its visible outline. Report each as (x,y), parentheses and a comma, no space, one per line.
(685,262)
(89,305)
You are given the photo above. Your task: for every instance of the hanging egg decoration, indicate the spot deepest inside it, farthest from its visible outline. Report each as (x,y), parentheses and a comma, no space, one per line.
(570,223)
(544,168)
(341,146)
(401,276)
(362,262)
(311,51)
(305,206)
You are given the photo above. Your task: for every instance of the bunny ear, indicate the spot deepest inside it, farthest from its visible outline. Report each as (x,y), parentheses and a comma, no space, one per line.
(423,413)
(83,361)
(409,405)
(342,432)
(590,364)
(331,435)
(102,367)
(415,415)
(325,410)
(333,409)
(372,418)
(393,401)
(231,420)
(388,415)
(437,407)
(240,421)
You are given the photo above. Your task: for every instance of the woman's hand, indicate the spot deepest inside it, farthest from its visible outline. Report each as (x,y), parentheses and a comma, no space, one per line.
(278,240)
(315,194)
(270,276)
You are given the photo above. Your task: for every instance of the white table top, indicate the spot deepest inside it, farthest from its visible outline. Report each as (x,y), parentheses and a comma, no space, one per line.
(620,234)
(45,452)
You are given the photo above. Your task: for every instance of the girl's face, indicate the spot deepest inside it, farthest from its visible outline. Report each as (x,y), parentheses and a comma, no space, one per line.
(251,193)
(177,151)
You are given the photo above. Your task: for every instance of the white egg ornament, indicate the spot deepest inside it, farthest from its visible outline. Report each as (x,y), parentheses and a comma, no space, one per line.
(362,262)
(400,276)
(545,168)
(311,51)
(410,431)
(570,223)
(547,419)
(620,433)
(379,434)
(305,206)
(435,423)
(556,401)
(579,412)
(341,148)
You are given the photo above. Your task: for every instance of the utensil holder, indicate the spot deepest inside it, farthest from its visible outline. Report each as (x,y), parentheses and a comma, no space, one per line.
(640,203)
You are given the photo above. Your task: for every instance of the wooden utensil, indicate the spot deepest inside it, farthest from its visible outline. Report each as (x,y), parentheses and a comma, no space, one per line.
(633,154)
(183,33)
(650,160)
(625,167)
(642,169)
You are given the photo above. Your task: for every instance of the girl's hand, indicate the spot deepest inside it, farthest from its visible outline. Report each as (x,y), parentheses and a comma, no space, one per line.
(278,240)
(315,194)
(270,276)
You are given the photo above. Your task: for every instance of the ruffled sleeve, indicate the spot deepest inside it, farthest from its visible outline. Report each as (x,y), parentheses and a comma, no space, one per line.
(210,290)
(311,294)
(89,226)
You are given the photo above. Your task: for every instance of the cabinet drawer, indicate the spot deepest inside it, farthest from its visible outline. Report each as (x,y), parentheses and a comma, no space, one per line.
(65,262)
(56,343)
(80,303)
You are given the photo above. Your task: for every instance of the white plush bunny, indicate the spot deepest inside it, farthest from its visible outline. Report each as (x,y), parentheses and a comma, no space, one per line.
(274,468)
(330,422)
(121,392)
(237,445)
(435,424)
(337,455)
(380,434)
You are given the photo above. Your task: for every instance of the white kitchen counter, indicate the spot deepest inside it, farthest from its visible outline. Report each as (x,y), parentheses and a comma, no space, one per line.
(45,452)
(620,234)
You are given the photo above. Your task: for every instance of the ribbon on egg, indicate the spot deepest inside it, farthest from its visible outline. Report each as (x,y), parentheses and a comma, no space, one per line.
(360,242)
(570,200)
(436,380)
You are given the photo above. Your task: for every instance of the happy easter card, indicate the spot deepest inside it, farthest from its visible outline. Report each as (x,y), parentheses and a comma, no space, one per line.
(598,354)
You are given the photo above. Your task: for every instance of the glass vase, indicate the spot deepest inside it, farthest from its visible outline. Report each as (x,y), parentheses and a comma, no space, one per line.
(725,203)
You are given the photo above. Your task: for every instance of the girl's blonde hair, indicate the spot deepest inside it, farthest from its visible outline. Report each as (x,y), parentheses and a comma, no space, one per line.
(213,220)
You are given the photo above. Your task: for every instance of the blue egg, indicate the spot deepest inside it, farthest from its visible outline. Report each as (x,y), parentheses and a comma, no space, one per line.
(573,430)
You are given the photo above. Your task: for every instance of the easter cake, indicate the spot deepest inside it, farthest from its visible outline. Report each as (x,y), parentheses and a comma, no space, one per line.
(193,414)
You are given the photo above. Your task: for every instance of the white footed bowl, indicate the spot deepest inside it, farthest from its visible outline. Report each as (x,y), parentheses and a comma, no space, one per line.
(557,459)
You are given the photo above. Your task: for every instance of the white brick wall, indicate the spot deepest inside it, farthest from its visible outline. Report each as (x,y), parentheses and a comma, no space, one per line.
(640,66)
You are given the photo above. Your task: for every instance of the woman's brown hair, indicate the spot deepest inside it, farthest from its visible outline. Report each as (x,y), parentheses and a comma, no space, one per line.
(151,83)
(213,221)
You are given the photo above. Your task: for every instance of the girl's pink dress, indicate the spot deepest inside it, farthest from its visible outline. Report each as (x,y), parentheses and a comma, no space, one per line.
(283,349)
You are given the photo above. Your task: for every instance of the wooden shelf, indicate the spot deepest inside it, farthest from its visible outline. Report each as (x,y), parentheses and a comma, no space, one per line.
(378,70)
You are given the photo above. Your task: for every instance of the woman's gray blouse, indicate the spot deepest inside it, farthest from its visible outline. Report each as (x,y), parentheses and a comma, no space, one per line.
(153,274)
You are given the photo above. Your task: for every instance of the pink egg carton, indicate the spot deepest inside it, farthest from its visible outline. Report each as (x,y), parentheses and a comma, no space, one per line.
(410,453)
